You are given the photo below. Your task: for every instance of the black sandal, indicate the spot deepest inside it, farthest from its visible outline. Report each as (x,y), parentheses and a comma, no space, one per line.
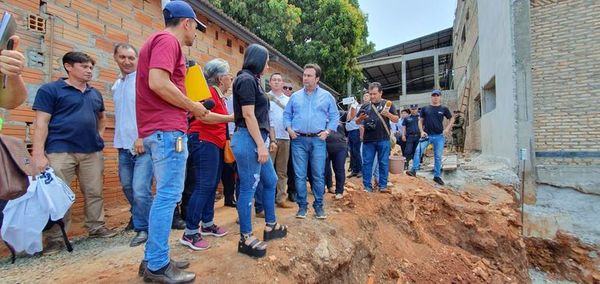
(254,248)
(275,233)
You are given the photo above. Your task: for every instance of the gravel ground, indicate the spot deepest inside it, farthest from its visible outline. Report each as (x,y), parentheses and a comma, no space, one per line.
(39,269)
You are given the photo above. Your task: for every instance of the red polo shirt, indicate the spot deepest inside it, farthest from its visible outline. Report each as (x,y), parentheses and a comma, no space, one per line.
(162,51)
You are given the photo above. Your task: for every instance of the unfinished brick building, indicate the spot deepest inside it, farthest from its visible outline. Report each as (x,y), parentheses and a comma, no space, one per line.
(50,28)
(531,71)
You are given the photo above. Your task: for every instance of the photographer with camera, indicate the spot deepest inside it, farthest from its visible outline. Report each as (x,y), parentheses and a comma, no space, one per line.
(375,118)
(432,131)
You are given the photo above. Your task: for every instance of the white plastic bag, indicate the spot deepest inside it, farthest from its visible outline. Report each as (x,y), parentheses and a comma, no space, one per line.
(25,217)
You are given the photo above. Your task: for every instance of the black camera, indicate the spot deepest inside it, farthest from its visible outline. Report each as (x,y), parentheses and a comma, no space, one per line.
(370,125)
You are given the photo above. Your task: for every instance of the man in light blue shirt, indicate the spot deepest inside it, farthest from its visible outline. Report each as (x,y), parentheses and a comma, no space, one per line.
(135,166)
(309,117)
(279,147)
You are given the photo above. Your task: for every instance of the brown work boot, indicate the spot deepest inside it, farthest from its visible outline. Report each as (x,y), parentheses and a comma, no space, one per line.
(102,232)
(53,247)
(284,204)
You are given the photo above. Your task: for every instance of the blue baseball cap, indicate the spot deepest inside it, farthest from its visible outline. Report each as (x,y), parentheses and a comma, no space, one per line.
(181,9)
(436,92)
(415,106)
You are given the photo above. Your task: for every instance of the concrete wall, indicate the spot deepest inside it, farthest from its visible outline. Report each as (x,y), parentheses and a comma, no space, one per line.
(424,99)
(564,76)
(495,61)
(559,208)
(566,80)
(466,69)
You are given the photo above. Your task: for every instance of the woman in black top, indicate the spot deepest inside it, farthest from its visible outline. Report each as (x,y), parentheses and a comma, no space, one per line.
(254,165)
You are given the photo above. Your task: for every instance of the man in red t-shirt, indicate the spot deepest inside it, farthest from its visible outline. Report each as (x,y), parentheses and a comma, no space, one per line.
(161,113)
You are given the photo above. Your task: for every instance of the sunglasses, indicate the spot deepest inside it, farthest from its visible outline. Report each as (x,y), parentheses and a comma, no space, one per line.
(287,88)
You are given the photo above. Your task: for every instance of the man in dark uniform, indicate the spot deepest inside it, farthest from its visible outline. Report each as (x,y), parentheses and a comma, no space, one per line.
(458,138)
(410,134)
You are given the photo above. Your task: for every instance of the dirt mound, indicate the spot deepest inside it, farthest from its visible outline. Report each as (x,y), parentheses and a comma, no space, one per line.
(428,234)
(419,234)
(564,258)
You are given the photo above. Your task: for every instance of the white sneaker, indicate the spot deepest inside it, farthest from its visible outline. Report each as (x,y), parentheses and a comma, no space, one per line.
(339,196)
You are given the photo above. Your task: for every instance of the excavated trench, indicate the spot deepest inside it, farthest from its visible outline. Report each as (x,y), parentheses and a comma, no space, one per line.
(419,234)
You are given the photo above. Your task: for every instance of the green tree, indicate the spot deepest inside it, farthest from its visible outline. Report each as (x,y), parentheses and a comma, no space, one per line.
(272,20)
(331,33)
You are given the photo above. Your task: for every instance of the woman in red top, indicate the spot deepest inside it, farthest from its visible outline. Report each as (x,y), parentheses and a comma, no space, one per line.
(206,140)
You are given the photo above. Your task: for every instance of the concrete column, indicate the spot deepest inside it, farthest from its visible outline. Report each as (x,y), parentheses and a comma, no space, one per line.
(436,72)
(524,96)
(403,77)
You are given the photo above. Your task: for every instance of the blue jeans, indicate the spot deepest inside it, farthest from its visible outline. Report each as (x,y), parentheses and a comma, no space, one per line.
(169,172)
(207,164)
(251,173)
(438,141)
(355,156)
(313,149)
(338,161)
(135,175)
(371,151)
(375,171)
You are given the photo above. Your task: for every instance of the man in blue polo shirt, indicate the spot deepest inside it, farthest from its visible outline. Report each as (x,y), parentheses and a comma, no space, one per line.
(69,124)
(309,117)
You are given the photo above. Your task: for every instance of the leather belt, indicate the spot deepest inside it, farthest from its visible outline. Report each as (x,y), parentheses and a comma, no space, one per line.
(309,134)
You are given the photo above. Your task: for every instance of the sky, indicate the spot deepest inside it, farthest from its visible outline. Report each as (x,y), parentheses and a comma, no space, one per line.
(391,22)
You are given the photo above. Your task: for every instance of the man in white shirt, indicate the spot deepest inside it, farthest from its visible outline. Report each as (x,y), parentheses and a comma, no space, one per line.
(135,166)
(279,147)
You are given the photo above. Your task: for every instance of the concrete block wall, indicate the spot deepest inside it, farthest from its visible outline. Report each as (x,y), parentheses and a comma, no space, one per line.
(466,67)
(94,26)
(565,79)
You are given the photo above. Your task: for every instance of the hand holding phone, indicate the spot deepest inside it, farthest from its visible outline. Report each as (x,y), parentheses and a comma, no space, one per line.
(12,61)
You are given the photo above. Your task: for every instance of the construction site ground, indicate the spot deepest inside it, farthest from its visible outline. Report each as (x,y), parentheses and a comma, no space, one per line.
(466,232)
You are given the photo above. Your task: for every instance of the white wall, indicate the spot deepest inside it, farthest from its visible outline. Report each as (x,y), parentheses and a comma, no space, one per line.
(498,127)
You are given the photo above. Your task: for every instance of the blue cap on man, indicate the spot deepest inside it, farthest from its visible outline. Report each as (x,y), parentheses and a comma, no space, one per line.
(181,9)
(436,92)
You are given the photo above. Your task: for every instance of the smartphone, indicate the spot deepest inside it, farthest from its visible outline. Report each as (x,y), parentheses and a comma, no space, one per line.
(7,29)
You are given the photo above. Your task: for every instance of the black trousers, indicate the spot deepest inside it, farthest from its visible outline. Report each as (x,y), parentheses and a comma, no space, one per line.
(412,141)
(230,182)
(338,161)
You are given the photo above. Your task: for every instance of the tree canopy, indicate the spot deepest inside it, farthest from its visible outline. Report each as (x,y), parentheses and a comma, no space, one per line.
(331,33)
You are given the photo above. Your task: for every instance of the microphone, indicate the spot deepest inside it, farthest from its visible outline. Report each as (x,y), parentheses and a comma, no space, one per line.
(208,104)
(387,106)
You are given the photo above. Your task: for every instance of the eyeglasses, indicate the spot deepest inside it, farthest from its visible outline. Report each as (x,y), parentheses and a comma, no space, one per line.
(287,88)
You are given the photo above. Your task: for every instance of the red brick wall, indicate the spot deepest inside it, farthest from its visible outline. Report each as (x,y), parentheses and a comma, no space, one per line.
(94,27)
